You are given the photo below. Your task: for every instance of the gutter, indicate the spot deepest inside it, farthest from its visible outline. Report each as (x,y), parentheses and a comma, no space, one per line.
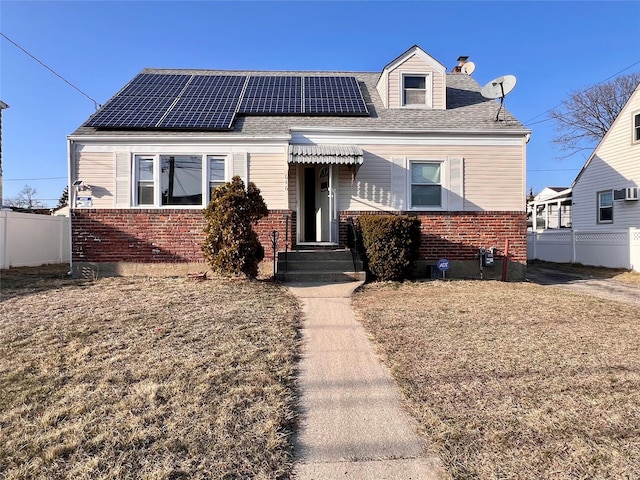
(119,138)
(70,200)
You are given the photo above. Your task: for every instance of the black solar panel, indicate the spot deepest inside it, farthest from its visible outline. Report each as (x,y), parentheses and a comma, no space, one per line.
(131,112)
(208,102)
(272,94)
(333,95)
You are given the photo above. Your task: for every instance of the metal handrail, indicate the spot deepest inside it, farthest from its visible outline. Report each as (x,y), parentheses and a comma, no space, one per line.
(354,243)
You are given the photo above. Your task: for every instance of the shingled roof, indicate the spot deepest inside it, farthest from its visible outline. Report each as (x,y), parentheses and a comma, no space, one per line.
(467,112)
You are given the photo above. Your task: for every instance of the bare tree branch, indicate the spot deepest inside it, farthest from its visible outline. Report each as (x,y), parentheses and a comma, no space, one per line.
(585,117)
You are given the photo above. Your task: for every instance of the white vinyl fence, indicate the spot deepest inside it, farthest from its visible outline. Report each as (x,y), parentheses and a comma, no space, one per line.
(612,249)
(29,240)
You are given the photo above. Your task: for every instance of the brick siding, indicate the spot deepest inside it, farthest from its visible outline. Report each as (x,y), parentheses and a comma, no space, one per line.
(175,235)
(145,236)
(459,235)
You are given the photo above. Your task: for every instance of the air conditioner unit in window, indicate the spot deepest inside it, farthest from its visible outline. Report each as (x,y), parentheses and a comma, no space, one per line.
(631,193)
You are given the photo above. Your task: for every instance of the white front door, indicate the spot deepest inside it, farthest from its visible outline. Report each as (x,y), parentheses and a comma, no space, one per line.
(317,209)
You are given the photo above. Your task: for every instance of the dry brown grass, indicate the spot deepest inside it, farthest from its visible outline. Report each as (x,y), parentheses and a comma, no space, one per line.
(626,276)
(513,380)
(146,378)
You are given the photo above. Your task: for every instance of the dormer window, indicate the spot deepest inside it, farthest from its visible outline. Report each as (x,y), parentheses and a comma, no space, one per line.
(416,90)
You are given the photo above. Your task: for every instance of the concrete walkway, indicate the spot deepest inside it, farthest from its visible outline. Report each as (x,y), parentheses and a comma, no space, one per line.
(353,425)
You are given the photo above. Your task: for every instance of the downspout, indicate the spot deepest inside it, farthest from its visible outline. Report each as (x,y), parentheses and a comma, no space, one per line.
(70,199)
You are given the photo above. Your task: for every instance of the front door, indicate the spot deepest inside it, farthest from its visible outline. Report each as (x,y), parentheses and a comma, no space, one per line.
(317,211)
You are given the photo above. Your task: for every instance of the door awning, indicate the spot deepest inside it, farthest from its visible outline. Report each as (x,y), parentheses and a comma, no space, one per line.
(326,154)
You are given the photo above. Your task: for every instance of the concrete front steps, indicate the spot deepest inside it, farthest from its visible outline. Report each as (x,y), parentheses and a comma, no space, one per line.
(319,266)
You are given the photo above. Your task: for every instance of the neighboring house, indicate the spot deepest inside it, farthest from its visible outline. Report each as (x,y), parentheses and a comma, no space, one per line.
(552,207)
(605,210)
(2,107)
(321,146)
(605,192)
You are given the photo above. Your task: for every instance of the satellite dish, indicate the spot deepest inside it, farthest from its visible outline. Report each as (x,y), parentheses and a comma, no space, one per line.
(499,88)
(468,68)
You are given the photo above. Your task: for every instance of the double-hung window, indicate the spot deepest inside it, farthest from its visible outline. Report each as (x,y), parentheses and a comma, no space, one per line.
(416,91)
(636,127)
(177,180)
(145,181)
(426,184)
(605,207)
(216,173)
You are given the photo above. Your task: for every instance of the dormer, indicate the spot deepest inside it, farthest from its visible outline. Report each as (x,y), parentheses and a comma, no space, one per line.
(413,80)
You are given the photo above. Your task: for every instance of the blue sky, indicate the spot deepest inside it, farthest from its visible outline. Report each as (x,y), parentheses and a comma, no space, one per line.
(552,47)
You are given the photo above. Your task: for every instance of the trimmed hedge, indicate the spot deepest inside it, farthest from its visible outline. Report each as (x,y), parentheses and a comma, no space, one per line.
(391,244)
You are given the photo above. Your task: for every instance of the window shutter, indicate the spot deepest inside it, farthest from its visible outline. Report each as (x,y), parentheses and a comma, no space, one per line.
(456,184)
(240,167)
(399,183)
(123,180)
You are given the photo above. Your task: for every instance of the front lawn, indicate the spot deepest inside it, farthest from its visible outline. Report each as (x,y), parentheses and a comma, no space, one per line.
(146,378)
(513,380)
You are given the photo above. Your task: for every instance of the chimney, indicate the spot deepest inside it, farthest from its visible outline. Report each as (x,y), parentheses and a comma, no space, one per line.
(461,61)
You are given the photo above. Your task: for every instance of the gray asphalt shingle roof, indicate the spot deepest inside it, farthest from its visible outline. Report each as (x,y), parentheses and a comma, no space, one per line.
(466,111)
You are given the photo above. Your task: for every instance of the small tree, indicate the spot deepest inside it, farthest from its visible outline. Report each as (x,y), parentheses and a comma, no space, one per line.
(63,201)
(231,246)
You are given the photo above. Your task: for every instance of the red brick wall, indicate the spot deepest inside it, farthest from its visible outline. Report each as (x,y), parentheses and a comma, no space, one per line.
(175,235)
(459,235)
(145,236)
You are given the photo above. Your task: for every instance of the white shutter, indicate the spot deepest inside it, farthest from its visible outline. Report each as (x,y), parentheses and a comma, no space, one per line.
(240,167)
(399,183)
(123,180)
(456,184)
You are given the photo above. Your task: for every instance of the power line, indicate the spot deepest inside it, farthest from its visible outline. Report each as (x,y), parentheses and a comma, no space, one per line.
(95,102)
(586,90)
(30,179)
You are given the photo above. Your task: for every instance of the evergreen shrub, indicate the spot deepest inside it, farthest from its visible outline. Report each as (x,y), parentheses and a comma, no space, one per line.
(391,244)
(231,245)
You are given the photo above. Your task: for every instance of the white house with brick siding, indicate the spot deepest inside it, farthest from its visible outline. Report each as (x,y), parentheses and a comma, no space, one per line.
(321,146)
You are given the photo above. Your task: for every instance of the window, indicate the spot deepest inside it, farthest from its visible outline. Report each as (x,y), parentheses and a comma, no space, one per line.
(181,179)
(636,127)
(144,174)
(216,173)
(426,184)
(177,180)
(605,207)
(414,90)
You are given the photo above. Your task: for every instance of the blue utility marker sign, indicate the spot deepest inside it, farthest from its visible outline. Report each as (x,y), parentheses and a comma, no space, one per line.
(443,264)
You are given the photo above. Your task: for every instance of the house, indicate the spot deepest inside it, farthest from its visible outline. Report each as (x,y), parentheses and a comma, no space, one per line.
(552,207)
(322,147)
(605,191)
(605,209)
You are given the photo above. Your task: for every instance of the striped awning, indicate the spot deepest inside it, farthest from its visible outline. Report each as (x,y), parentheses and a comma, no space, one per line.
(326,154)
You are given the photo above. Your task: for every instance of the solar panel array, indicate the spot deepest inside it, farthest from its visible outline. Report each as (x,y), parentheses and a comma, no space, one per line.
(211,102)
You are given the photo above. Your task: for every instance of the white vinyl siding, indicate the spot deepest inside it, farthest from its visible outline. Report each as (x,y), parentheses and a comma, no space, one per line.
(270,174)
(97,171)
(490,178)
